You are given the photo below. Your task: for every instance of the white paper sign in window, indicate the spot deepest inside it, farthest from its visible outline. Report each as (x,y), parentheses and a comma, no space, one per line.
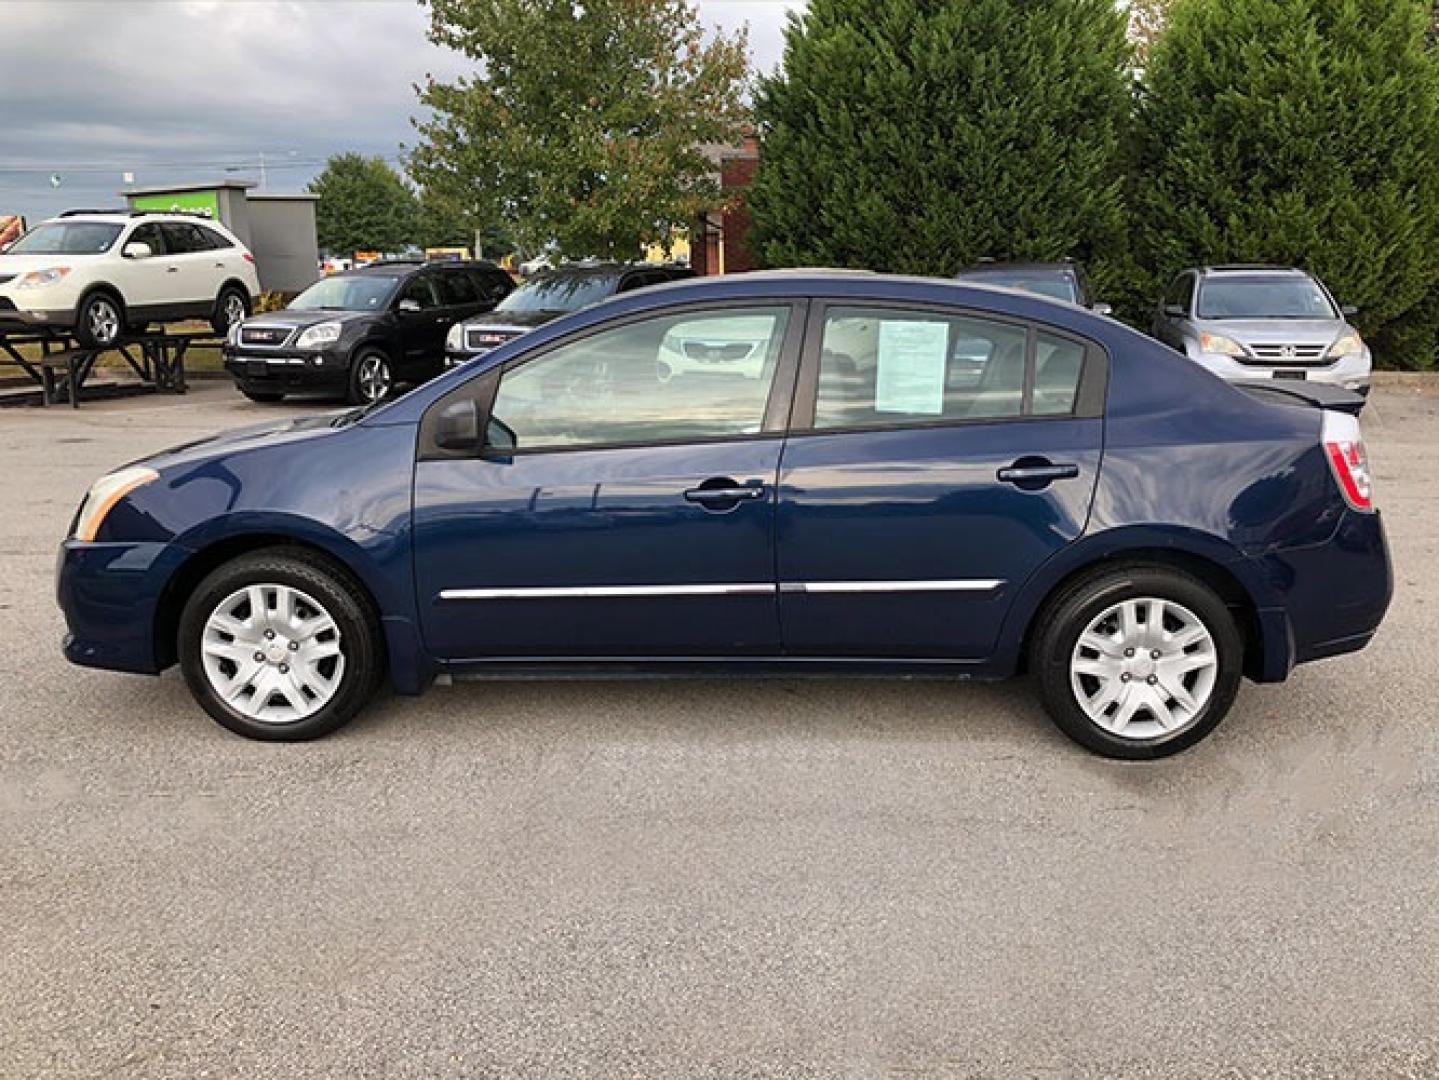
(911,367)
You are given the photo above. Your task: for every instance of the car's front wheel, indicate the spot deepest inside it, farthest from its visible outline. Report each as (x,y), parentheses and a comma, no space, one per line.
(371,379)
(1139,662)
(280,645)
(99,322)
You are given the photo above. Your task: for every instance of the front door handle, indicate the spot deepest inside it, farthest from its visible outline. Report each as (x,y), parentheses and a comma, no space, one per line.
(722,493)
(1031,474)
(172,269)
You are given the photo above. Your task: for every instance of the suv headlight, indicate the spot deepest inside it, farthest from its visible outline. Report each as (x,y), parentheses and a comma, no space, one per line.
(1220,345)
(455,339)
(104,494)
(38,279)
(319,335)
(1347,344)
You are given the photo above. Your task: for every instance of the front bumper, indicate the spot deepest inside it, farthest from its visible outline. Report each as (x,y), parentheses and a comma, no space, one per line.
(110,593)
(278,370)
(1350,372)
(13,317)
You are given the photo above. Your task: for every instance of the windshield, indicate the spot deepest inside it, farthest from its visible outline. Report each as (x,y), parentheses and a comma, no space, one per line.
(67,238)
(370,292)
(1054,286)
(1257,297)
(560,292)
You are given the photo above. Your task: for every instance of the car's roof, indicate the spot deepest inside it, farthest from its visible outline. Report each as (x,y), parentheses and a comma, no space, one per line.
(1252,268)
(403,267)
(595,269)
(124,217)
(980,269)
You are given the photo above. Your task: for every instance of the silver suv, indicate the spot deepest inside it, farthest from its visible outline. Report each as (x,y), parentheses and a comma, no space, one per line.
(1263,322)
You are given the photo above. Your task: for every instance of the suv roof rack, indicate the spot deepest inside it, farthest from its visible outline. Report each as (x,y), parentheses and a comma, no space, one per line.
(1253,266)
(171,213)
(86,212)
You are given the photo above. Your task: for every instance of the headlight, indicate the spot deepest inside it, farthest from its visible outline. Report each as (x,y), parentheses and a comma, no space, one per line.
(1220,345)
(1347,344)
(319,335)
(455,339)
(104,494)
(38,279)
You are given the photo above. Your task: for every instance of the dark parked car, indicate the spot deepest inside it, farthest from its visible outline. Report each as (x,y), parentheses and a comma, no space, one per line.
(1058,281)
(362,332)
(547,296)
(808,492)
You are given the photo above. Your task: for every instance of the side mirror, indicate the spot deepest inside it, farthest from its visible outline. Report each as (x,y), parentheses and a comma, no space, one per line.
(408,306)
(1175,311)
(458,426)
(1102,309)
(137,249)
(1348,310)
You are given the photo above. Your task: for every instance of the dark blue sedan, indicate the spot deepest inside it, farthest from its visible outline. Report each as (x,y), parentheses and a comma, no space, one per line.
(769,474)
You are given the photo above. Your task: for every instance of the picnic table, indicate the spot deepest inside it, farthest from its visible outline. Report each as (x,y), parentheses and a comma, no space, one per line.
(64,366)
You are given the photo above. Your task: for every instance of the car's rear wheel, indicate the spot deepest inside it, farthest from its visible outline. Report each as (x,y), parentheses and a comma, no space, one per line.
(100,321)
(1139,662)
(371,379)
(231,306)
(280,645)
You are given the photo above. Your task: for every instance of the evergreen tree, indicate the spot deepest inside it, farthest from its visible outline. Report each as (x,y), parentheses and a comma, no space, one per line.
(922,135)
(1302,132)
(364,206)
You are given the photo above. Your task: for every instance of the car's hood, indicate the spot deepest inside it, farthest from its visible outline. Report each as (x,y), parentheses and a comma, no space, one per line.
(291,318)
(23,264)
(271,432)
(1276,331)
(510,320)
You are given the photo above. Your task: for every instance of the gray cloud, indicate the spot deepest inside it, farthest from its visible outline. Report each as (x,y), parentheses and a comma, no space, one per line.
(181,90)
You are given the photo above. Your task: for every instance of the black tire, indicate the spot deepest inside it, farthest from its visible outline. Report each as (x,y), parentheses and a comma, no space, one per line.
(359,390)
(357,622)
(265,397)
(231,305)
(1070,614)
(100,320)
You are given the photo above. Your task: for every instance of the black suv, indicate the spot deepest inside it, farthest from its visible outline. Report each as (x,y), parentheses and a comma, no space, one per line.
(1058,281)
(550,294)
(362,332)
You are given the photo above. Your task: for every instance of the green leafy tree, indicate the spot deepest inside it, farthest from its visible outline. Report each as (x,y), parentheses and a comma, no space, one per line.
(921,135)
(583,124)
(364,205)
(1303,132)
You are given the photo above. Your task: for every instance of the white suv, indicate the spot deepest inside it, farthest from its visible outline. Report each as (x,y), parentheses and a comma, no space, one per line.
(97,275)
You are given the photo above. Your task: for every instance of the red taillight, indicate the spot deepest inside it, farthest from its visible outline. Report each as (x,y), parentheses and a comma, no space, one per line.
(249,258)
(1344,447)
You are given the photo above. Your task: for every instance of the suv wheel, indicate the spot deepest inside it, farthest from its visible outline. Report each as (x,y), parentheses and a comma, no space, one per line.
(231,306)
(278,645)
(99,322)
(1139,662)
(370,378)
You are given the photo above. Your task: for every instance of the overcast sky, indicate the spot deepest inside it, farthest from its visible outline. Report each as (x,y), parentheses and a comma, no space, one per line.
(182,90)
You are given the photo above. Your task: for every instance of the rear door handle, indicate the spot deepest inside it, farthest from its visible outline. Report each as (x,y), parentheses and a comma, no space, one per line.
(1036,473)
(723,493)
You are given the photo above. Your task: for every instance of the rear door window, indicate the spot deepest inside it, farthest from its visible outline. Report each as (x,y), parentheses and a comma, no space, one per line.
(891,367)
(183,238)
(456,288)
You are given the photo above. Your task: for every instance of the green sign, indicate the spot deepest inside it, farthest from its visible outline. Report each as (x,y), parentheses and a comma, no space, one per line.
(203,202)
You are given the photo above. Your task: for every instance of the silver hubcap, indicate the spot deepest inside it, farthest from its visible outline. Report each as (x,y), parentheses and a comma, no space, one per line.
(234,309)
(374,378)
(104,321)
(272,653)
(1144,669)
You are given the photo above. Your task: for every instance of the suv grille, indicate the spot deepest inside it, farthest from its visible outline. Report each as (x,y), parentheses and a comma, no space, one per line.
(1302,355)
(484,338)
(266,336)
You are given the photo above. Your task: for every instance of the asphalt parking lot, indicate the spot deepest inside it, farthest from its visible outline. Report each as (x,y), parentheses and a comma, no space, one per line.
(716,878)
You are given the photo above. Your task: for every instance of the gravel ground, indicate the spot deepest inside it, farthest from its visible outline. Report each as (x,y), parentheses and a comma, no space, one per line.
(702,878)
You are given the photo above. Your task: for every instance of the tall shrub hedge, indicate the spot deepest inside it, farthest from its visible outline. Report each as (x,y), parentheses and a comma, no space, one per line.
(918,136)
(1303,132)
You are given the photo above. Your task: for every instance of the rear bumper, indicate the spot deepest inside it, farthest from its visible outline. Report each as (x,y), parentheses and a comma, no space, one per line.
(1334,596)
(110,594)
